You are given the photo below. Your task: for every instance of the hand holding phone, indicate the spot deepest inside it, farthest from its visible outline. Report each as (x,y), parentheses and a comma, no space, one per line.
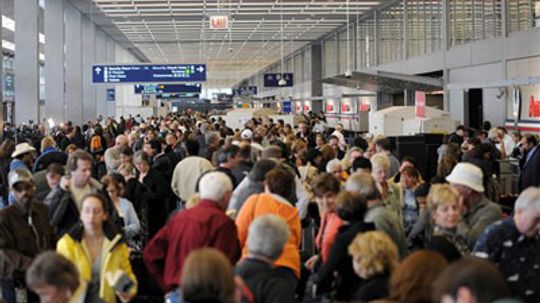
(120,282)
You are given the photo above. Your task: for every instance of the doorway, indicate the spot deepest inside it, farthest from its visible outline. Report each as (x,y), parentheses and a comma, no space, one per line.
(474,108)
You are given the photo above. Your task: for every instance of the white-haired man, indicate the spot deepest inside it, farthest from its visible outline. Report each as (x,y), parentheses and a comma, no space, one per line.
(514,245)
(204,225)
(267,236)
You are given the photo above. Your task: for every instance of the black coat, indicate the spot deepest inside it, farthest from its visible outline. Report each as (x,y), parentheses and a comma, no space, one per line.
(340,262)
(241,170)
(530,170)
(154,192)
(267,285)
(374,288)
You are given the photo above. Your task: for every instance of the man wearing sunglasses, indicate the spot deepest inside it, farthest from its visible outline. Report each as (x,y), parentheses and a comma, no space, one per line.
(25,232)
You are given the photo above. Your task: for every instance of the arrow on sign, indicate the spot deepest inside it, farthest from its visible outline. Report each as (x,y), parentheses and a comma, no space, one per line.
(97,70)
(200,69)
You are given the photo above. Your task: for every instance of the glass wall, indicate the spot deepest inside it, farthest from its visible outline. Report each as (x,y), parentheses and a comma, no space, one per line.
(330,55)
(523,14)
(391,33)
(424,27)
(366,43)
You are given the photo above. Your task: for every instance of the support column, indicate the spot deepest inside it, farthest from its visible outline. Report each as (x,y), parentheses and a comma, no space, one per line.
(111,58)
(73,64)
(316,69)
(101,57)
(409,97)
(54,60)
(26,64)
(88,57)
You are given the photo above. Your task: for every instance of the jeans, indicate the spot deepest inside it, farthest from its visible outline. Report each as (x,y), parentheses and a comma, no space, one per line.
(173,296)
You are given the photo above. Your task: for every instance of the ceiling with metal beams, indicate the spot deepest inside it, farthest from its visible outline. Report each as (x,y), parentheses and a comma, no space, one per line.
(178,31)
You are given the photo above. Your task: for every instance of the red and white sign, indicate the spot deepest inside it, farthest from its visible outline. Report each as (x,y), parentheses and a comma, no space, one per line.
(298,107)
(364,107)
(346,105)
(534,107)
(219,22)
(307,107)
(420,104)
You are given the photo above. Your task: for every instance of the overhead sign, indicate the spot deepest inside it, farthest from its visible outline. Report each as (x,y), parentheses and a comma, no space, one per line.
(420,104)
(154,89)
(177,95)
(272,80)
(149,73)
(287,106)
(111,94)
(245,91)
(219,22)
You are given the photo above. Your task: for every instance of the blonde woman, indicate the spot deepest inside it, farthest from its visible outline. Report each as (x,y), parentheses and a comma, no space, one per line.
(443,204)
(375,256)
(390,193)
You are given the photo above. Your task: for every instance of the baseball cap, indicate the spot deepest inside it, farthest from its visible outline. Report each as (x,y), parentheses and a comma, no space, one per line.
(19,175)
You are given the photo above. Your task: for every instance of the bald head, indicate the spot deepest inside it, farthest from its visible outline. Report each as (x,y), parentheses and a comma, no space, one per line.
(121,140)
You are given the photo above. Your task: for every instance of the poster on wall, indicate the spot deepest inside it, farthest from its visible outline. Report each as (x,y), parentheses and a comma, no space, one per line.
(524,103)
(420,104)
(111,94)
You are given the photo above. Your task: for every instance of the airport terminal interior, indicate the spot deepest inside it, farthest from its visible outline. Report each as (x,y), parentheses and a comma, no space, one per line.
(270,151)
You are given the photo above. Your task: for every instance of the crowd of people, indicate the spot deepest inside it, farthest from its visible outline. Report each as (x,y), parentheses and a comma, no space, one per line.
(183,208)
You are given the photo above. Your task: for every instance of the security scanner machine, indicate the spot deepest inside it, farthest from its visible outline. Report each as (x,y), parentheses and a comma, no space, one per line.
(237,118)
(402,121)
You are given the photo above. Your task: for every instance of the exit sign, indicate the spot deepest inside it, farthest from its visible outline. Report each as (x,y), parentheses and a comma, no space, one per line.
(219,22)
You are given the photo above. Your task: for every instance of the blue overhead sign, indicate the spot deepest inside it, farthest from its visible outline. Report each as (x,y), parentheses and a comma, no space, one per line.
(245,91)
(177,96)
(272,80)
(287,106)
(149,73)
(154,89)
